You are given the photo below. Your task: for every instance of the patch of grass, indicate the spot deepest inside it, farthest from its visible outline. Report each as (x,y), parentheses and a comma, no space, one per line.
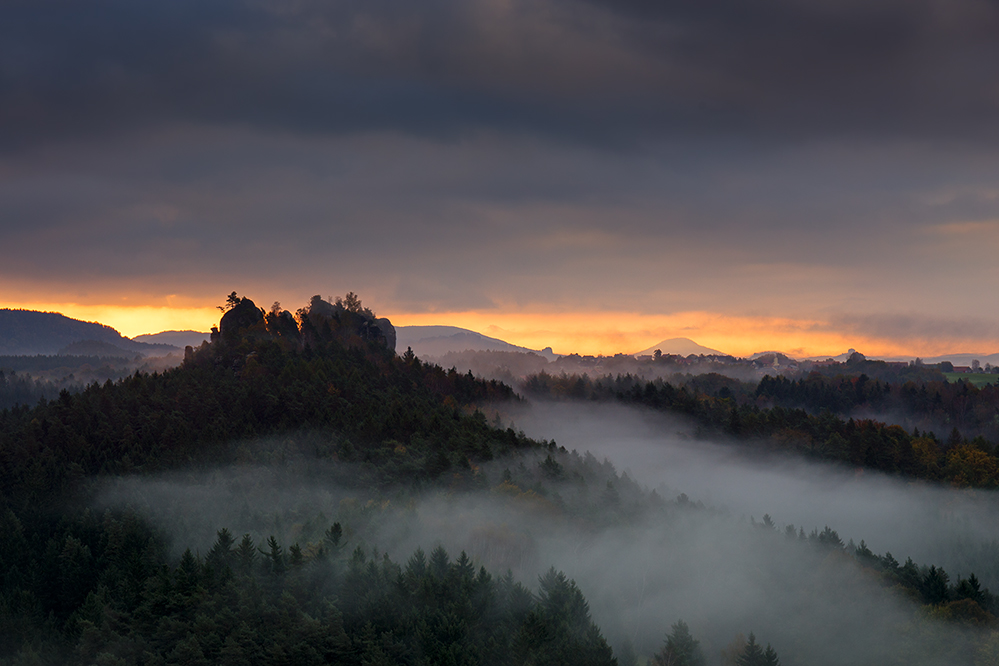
(976,378)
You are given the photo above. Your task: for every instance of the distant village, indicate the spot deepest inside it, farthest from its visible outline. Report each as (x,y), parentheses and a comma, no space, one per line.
(510,366)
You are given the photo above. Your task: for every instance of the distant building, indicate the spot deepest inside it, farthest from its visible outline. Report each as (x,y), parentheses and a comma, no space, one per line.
(962,368)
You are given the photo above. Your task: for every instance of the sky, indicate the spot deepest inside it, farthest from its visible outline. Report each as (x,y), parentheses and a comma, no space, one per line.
(595,176)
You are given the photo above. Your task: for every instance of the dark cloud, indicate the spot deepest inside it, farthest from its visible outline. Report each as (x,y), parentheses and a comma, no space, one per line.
(910,327)
(593,71)
(416,224)
(793,158)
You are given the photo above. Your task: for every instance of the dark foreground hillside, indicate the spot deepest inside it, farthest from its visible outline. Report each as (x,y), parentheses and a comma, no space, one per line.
(82,588)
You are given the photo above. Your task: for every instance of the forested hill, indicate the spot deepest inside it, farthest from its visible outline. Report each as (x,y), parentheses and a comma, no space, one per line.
(332,381)
(325,386)
(27,332)
(320,397)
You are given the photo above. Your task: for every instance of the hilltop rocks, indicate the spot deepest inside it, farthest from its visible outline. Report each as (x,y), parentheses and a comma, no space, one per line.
(240,318)
(345,320)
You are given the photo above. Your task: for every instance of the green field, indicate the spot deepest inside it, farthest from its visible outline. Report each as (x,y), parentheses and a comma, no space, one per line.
(976,378)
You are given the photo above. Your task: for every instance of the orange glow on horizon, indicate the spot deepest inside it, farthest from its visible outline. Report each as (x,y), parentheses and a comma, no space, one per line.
(133,320)
(588,333)
(608,333)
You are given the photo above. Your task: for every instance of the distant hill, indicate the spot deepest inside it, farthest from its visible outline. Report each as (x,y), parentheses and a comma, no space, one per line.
(27,332)
(436,341)
(965,359)
(178,339)
(779,354)
(680,347)
(839,358)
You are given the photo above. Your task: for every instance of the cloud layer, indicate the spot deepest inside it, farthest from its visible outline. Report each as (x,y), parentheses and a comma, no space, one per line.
(783,158)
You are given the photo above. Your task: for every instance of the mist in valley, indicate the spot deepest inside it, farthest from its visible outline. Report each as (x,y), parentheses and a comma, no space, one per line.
(643,560)
(931,523)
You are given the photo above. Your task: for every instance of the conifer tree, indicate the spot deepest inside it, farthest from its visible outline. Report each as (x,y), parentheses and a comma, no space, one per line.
(681,648)
(246,553)
(275,556)
(753,654)
(221,557)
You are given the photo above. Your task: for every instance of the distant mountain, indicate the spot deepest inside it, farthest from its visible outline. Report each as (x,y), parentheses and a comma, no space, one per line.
(27,332)
(965,359)
(839,358)
(436,341)
(679,347)
(178,339)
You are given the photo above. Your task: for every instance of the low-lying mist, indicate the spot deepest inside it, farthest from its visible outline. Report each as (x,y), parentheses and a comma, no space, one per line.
(641,567)
(949,527)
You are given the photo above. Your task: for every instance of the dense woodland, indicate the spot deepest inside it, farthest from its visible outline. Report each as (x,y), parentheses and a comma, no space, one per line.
(80,585)
(25,380)
(82,588)
(810,417)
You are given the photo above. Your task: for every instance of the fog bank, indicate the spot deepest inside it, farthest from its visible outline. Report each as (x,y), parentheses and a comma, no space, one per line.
(953,528)
(641,570)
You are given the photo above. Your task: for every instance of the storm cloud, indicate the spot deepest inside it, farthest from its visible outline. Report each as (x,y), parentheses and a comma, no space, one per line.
(588,71)
(779,158)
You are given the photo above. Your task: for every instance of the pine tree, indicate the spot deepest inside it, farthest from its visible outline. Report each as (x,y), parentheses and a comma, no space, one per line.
(753,654)
(681,648)
(295,556)
(439,562)
(221,557)
(246,553)
(934,586)
(275,556)
(332,539)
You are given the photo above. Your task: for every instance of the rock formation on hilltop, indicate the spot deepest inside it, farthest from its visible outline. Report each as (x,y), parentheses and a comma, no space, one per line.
(241,318)
(344,320)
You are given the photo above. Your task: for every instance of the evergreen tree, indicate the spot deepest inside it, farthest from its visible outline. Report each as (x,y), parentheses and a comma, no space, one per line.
(246,553)
(275,556)
(333,536)
(221,558)
(935,586)
(439,562)
(681,648)
(753,655)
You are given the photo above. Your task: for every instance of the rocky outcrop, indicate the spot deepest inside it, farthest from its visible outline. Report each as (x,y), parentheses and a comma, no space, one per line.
(345,321)
(240,319)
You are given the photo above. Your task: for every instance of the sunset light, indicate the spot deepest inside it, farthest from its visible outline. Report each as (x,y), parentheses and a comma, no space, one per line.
(543,332)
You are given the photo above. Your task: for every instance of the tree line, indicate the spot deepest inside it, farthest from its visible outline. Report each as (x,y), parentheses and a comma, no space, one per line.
(857,442)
